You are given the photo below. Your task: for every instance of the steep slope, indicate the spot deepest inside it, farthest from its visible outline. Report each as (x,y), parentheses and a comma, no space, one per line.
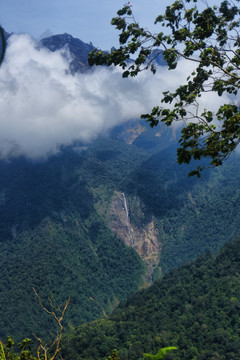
(191,215)
(105,221)
(75,200)
(143,238)
(195,308)
(78,50)
(53,239)
(62,257)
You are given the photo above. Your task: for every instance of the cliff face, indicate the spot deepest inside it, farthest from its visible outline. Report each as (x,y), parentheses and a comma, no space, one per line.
(132,133)
(77,48)
(142,238)
(128,132)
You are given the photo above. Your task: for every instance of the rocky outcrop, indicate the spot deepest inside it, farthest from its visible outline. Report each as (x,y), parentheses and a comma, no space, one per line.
(130,131)
(143,239)
(133,133)
(77,48)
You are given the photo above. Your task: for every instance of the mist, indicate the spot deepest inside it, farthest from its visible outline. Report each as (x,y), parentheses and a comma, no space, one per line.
(43,106)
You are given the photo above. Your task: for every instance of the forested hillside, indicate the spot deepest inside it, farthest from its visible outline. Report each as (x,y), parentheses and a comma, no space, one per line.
(63,224)
(53,239)
(95,211)
(99,221)
(192,215)
(195,308)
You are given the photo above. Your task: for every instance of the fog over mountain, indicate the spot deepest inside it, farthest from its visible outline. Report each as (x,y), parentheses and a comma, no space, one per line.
(43,106)
(100,223)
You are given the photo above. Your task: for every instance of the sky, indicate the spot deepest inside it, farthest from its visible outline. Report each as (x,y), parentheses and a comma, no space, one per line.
(88,20)
(43,107)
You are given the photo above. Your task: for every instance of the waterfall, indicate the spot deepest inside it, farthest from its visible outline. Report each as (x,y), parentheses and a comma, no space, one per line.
(127,219)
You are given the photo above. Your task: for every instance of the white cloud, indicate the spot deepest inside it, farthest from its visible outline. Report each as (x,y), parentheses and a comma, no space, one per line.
(43,107)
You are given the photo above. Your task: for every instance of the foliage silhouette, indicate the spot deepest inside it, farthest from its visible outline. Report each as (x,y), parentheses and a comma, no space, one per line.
(208,38)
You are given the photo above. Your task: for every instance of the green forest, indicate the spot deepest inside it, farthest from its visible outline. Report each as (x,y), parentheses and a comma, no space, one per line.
(195,308)
(68,249)
(138,259)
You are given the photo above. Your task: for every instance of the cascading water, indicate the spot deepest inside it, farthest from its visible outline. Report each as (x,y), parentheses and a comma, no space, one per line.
(127,219)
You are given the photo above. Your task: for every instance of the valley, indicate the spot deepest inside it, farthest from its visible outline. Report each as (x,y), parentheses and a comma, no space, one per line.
(103,222)
(149,256)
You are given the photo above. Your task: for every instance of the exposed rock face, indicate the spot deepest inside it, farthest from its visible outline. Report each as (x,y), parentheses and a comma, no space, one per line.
(78,50)
(143,239)
(133,133)
(130,132)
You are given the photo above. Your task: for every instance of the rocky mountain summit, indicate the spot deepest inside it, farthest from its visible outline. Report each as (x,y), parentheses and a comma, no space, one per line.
(78,50)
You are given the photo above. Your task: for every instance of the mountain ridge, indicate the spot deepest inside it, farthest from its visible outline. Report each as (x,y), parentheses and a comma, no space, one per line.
(78,50)
(57,232)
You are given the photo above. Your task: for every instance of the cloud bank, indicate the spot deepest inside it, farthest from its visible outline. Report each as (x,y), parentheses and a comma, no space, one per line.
(43,107)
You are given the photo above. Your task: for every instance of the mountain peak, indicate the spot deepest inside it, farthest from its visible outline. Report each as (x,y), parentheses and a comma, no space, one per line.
(78,49)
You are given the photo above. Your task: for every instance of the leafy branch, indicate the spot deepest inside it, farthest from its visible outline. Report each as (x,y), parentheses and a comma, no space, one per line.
(211,39)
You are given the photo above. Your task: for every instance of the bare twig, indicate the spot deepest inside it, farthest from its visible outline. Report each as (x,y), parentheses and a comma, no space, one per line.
(58,318)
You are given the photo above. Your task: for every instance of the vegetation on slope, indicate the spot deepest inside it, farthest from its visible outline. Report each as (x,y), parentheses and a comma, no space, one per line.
(193,215)
(204,36)
(195,308)
(55,236)
(53,239)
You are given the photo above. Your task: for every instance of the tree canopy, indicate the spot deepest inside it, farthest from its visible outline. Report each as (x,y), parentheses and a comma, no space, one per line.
(206,35)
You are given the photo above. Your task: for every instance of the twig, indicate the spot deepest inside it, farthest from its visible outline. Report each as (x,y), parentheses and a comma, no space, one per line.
(59,322)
